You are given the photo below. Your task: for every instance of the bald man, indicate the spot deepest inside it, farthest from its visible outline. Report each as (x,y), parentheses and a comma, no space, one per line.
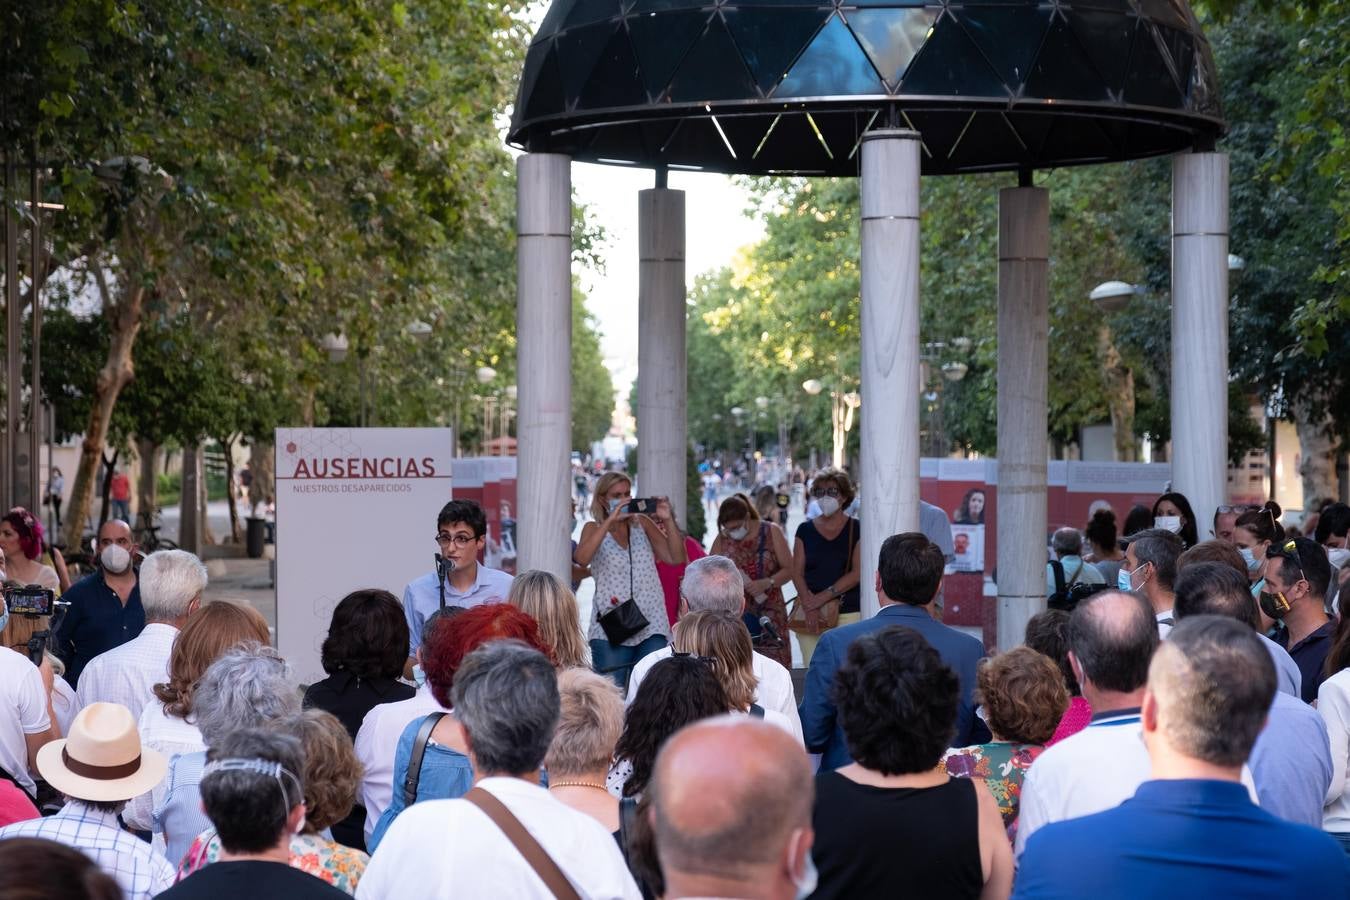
(731,812)
(105,607)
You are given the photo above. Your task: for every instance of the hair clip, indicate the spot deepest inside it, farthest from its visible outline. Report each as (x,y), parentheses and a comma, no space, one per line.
(257,766)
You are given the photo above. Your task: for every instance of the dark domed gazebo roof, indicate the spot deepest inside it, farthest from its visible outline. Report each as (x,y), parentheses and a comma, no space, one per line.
(789,86)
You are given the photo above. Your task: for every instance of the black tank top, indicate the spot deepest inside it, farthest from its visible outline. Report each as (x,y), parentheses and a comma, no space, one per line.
(827,560)
(896,842)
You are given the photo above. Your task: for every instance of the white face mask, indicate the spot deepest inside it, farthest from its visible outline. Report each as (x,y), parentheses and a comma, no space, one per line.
(810,879)
(738,534)
(828,506)
(1168,523)
(115,559)
(1339,556)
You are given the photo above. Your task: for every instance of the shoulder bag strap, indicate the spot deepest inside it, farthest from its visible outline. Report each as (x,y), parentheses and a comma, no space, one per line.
(848,561)
(759,553)
(419,749)
(1058,568)
(535,855)
(1076,572)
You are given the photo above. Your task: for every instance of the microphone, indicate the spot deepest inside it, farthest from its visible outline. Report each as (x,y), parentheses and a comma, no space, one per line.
(444,565)
(768,627)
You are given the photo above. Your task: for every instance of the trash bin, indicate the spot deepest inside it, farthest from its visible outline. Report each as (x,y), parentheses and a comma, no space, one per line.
(257,530)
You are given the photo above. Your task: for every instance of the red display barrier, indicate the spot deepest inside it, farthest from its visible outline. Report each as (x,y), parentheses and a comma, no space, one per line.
(490,481)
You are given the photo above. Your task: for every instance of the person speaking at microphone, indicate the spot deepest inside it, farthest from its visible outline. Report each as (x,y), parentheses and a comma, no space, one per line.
(457,578)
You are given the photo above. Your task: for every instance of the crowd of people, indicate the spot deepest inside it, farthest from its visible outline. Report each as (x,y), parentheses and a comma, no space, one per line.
(1178,723)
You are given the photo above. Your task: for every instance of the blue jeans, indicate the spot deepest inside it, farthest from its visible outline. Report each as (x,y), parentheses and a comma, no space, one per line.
(617,662)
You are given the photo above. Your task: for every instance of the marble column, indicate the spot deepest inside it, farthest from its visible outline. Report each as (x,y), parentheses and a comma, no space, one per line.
(662,361)
(544,367)
(1200,331)
(890,345)
(1023,303)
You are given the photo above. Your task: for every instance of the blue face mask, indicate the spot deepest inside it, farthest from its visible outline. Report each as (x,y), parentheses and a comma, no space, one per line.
(614,504)
(1123,580)
(4,614)
(419,676)
(1249,557)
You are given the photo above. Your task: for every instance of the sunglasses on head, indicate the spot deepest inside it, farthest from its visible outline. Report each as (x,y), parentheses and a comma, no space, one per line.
(687,655)
(1290,552)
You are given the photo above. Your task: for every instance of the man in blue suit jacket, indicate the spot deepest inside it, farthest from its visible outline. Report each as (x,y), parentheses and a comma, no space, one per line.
(909,573)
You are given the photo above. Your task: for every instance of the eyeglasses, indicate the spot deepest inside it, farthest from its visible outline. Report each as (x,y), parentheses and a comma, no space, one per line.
(826,492)
(684,655)
(459,540)
(1225,510)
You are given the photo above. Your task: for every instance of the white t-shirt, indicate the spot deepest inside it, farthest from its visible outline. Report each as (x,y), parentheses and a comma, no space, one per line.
(23,710)
(376,744)
(774,691)
(441,846)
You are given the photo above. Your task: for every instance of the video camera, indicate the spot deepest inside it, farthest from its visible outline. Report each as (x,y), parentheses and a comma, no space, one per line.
(33,602)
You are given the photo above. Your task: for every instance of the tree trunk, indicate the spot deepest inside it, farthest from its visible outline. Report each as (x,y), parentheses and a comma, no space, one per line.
(261,462)
(228,444)
(147,486)
(1317,459)
(125,321)
(1119,396)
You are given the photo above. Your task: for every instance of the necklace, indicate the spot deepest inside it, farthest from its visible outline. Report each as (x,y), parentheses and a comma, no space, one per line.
(589,784)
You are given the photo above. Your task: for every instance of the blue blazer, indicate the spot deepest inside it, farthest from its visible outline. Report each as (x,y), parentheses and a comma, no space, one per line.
(959,650)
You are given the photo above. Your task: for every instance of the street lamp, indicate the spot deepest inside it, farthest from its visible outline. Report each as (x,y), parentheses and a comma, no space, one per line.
(335,345)
(1113,296)
(842,406)
(954,371)
(418,330)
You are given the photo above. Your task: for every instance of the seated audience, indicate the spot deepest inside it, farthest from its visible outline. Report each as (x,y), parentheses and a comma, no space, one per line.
(330,777)
(248,687)
(445,771)
(543,597)
(363,655)
(714,583)
(168,723)
(1047,634)
(893,815)
(909,573)
(253,791)
(42,869)
(1191,830)
(1023,698)
(678,690)
(506,695)
(98,768)
(380,729)
(172,582)
(1291,761)
(731,812)
(578,758)
(721,639)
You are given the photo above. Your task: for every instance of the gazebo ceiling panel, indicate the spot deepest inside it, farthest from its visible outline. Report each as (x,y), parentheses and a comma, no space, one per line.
(790,86)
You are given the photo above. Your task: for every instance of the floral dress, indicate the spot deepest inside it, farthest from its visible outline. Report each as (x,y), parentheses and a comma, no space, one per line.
(339,866)
(610,567)
(1002,765)
(758,561)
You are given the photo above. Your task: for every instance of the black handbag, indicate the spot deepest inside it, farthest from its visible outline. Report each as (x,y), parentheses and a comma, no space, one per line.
(625,620)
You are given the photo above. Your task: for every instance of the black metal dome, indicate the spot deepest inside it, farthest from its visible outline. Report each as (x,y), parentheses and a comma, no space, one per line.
(789,86)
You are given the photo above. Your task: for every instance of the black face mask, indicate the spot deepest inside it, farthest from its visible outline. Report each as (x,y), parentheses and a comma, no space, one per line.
(1274,605)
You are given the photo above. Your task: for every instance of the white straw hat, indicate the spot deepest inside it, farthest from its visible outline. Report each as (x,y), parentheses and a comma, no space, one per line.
(102,759)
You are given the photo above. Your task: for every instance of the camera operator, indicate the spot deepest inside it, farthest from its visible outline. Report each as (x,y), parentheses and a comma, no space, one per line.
(26,715)
(458,579)
(30,633)
(105,607)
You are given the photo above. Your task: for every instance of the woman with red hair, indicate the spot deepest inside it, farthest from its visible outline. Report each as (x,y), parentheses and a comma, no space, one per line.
(444,772)
(22,545)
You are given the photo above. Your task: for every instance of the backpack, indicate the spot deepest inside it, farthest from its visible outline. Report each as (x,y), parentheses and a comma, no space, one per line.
(1067,597)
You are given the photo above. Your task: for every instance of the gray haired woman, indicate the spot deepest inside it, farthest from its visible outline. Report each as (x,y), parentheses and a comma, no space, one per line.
(249,687)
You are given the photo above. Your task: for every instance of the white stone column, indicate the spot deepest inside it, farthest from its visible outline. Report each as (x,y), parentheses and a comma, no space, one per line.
(1200,331)
(662,362)
(1023,301)
(544,362)
(890,345)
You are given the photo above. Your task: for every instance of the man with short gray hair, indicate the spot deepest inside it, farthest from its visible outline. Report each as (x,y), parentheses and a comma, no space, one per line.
(172,582)
(716,584)
(506,700)
(1191,829)
(1068,546)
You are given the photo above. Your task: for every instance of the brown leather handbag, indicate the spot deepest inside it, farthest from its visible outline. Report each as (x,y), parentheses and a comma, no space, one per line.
(828,613)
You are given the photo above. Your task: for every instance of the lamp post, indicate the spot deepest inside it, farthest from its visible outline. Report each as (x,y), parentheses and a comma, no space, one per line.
(952,370)
(842,405)
(485,376)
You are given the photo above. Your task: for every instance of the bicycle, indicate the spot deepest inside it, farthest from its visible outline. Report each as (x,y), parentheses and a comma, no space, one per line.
(147,534)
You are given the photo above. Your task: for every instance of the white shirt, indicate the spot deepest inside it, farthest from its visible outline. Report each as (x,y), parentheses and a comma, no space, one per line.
(376,743)
(441,846)
(1096,769)
(128,673)
(1333,703)
(23,711)
(65,703)
(773,692)
(171,736)
(139,871)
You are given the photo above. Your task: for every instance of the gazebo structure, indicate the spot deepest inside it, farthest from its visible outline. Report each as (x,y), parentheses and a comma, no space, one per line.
(885,90)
